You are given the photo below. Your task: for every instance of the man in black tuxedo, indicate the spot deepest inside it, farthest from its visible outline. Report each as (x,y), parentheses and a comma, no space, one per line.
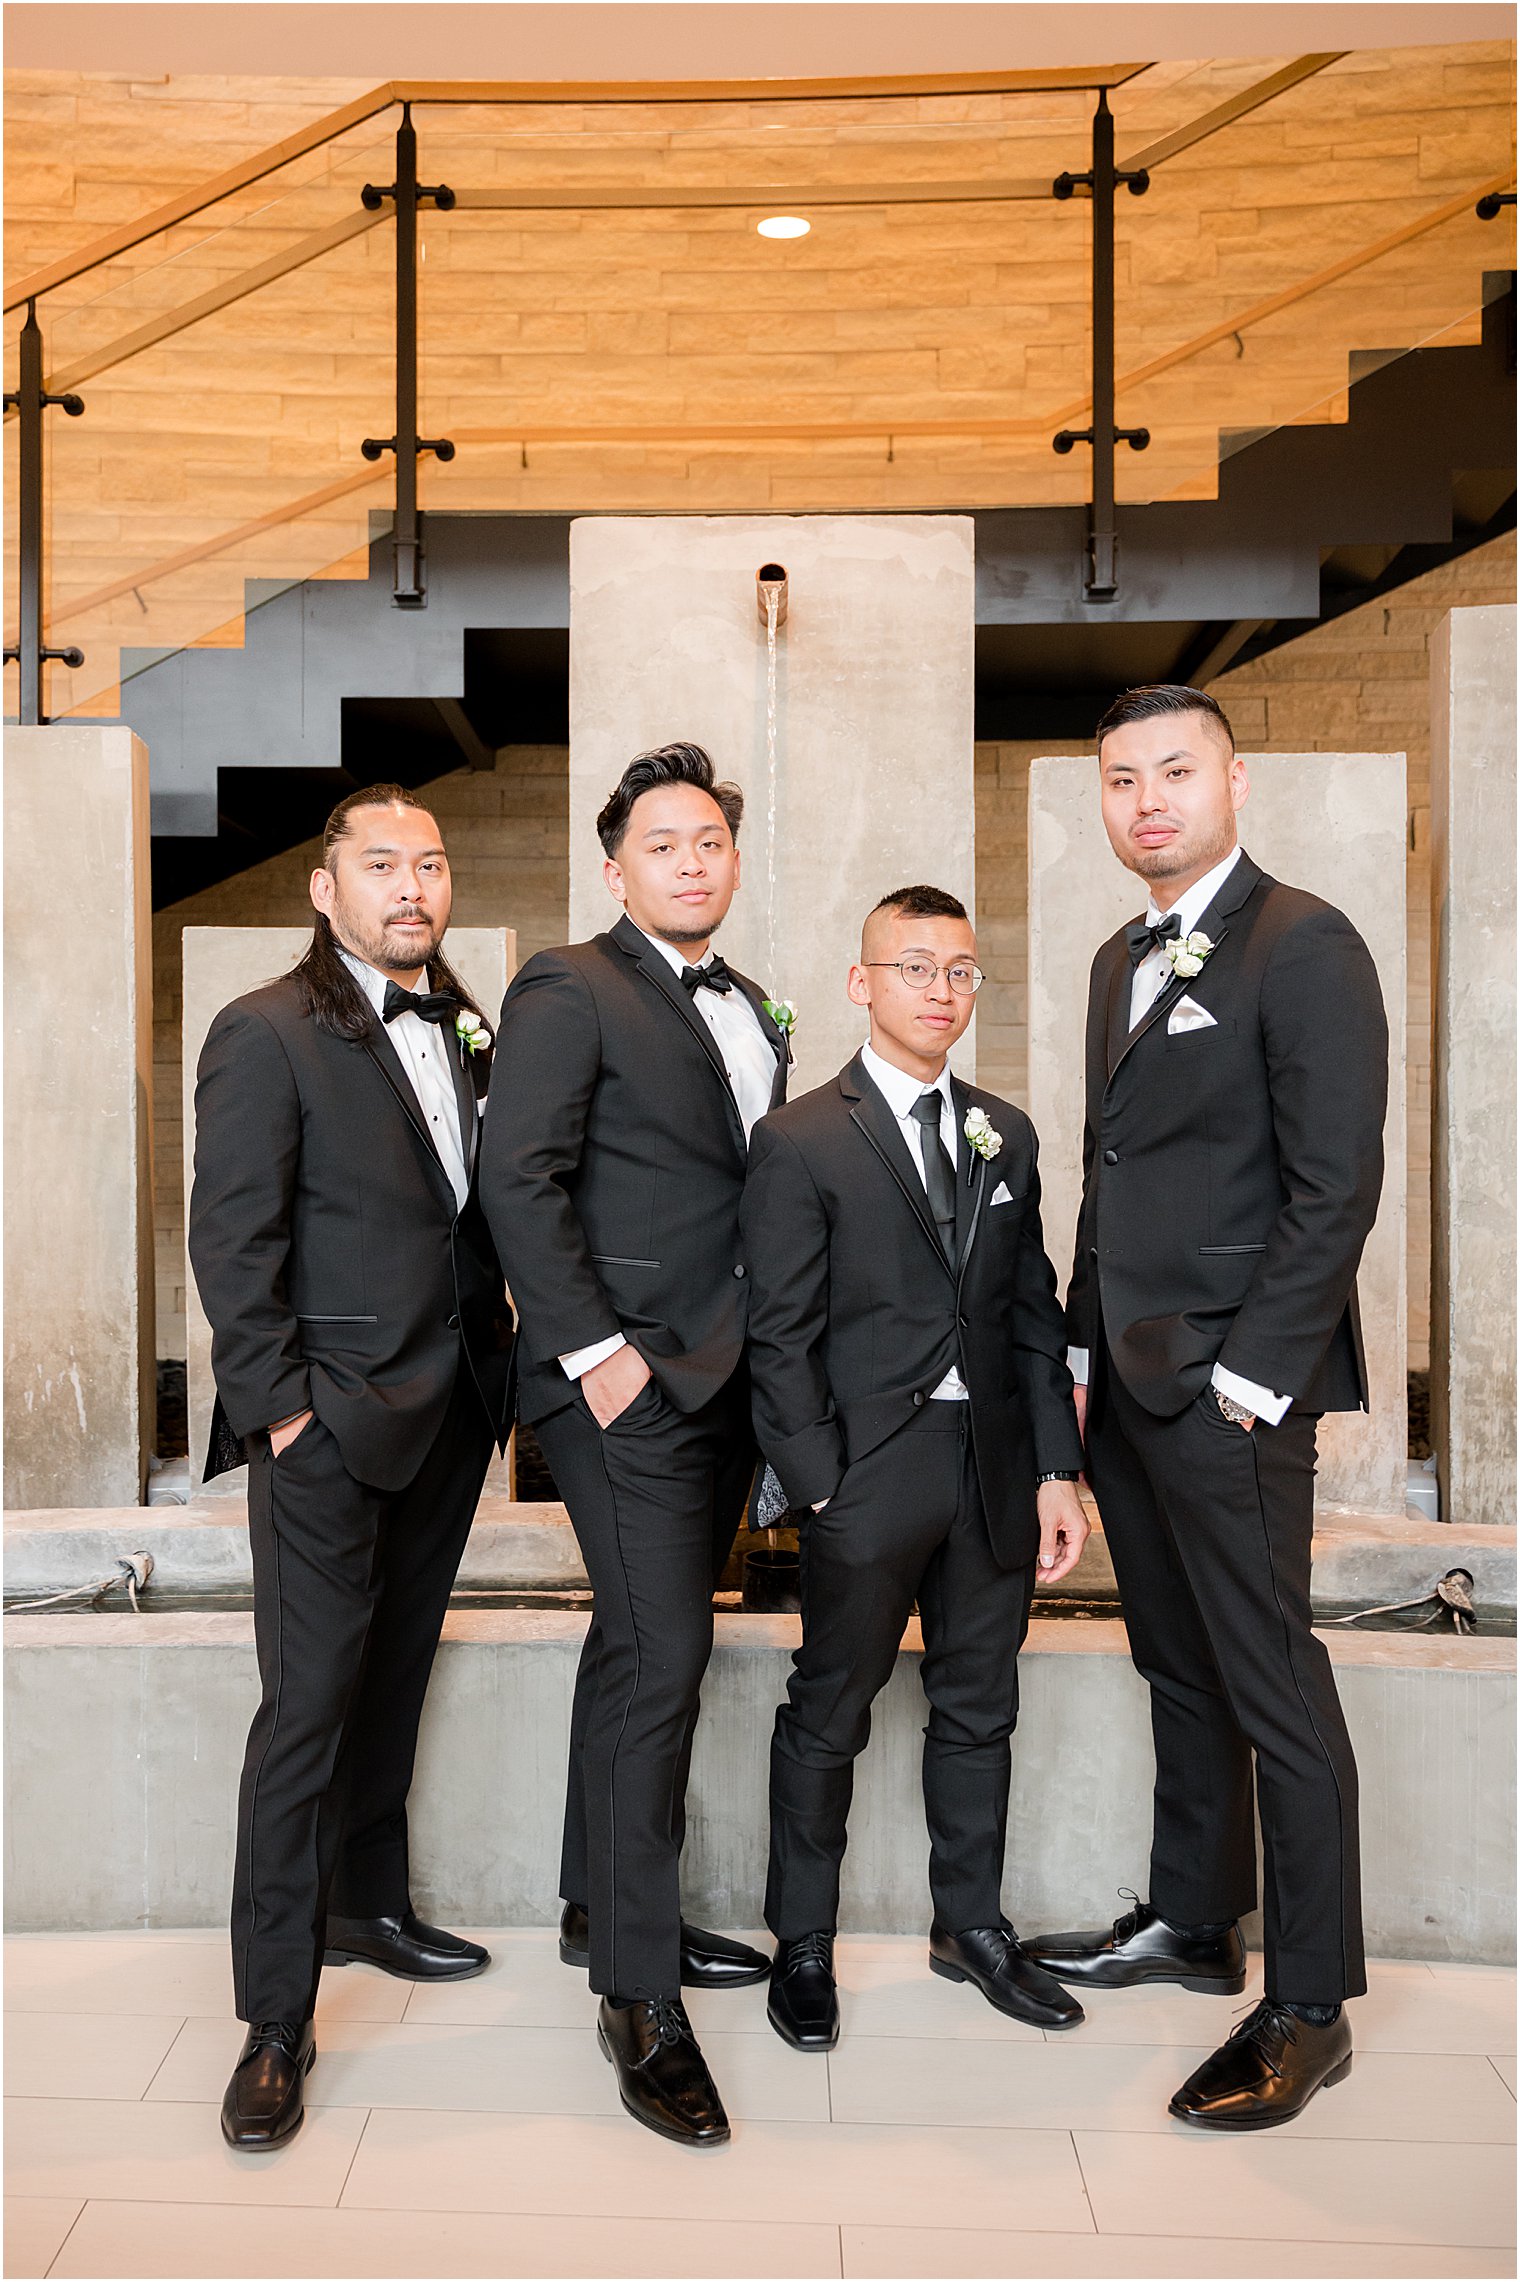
(907,1355)
(1237,1079)
(361,1343)
(630,1070)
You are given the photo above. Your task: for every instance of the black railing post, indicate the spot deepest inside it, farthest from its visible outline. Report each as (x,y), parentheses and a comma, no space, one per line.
(409,589)
(29,402)
(1101,582)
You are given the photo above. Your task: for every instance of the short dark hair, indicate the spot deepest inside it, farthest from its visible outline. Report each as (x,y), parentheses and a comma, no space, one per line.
(920,903)
(372,796)
(1155,698)
(667,764)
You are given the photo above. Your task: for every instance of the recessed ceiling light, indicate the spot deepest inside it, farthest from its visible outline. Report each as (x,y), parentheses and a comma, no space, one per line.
(783,226)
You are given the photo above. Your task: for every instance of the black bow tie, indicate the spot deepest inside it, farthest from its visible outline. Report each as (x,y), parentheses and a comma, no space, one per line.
(1142,940)
(438,1006)
(714,976)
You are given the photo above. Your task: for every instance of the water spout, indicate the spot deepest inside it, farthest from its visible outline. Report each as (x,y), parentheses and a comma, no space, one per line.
(770,587)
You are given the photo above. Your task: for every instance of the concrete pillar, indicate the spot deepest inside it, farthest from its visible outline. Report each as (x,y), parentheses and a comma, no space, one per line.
(79,1362)
(1334,823)
(1472,820)
(874,723)
(223,963)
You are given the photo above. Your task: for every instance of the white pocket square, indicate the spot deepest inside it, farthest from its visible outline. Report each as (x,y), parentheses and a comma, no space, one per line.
(1187,1014)
(1000,1195)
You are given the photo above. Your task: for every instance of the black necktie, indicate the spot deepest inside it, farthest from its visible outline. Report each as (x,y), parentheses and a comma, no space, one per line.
(939,1173)
(714,976)
(433,1005)
(1143,939)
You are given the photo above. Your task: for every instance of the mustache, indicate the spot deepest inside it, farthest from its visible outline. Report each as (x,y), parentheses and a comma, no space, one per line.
(405,911)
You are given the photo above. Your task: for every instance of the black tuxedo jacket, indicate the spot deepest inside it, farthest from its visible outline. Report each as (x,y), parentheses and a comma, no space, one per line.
(612,1165)
(333,1263)
(856,1314)
(1232,1174)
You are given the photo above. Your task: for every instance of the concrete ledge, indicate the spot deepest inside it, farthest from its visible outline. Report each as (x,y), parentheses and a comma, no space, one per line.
(125,1734)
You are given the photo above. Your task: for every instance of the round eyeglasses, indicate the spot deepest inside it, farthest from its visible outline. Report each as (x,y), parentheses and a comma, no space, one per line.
(964,979)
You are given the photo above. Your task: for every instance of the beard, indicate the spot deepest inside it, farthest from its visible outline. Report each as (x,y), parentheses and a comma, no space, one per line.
(1199,850)
(679,935)
(383,946)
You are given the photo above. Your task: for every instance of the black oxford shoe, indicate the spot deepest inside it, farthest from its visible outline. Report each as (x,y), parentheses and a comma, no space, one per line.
(662,2078)
(993,1957)
(404,1946)
(803,2007)
(1266,2072)
(263,2106)
(708,1960)
(1141,1947)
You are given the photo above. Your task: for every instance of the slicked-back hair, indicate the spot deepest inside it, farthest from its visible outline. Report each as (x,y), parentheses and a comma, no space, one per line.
(667,764)
(330,996)
(921,903)
(1156,698)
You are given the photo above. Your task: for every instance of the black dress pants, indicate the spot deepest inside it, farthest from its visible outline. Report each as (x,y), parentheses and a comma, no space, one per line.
(655,1500)
(906,1523)
(1210,1531)
(350,1588)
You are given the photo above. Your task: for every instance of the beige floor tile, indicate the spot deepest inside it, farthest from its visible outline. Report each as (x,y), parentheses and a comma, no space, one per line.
(150,2151)
(182,1973)
(1505,2069)
(35,2227)
(822,2173)
(910,2254)
(84,2056)
(1269,2186)
(524,1986)
(1164,2014)
(498,2071)
(152,2240)
(1436,2008)
(1071,2085)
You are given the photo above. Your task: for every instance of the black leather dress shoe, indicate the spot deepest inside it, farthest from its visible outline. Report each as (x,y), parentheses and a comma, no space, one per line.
(404,1946)
(264,2103)
(708,1960)
(1266,2072)
(1142,1947)
(662,2078)
(803,2007)
(993,1957)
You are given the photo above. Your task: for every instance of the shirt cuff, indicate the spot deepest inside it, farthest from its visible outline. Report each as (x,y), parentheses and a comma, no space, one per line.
(1078,1364)
(1260,1401)
(583,1359)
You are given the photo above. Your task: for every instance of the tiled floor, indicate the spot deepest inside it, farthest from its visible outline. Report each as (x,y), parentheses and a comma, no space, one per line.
(475,2131)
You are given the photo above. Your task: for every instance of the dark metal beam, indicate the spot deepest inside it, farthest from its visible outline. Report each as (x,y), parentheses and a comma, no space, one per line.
(477,753)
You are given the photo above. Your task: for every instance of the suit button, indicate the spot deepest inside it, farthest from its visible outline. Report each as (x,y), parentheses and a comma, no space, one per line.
(1092,1251)
(738,1271)
(452,1324)
(1110,1156)
(965,1323)
(918,1402)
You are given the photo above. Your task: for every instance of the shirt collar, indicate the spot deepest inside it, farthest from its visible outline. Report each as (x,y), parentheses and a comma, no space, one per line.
(369,979)
(1194,902)
(672,953)
(899,1090)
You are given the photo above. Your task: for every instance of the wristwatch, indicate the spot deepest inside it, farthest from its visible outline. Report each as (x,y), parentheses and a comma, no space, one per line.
(1042,1479)
(1235,1412)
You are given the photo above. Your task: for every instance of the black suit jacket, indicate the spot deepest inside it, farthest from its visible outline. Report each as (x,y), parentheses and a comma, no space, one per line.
(1232,1174)
(333,1263)
(856,1314)
(612,1166)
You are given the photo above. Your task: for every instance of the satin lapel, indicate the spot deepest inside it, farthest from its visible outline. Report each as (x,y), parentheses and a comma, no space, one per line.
(775,1038)
(1120,979)
(970,1183)
(464,1095)
(388,1062)
(675,994)
(879,1126)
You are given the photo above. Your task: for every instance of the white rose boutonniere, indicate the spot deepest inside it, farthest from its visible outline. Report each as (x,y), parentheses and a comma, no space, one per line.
(783,1013)
(981,1134)
(471,1031)
(1187,954)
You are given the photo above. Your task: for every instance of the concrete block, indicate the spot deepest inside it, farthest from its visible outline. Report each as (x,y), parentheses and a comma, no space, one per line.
(1473,1260)
(1333,823)
(874,724)
(221,964)
(79,1346)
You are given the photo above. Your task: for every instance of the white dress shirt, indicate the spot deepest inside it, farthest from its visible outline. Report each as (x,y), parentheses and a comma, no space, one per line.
(424,1054)
(900,1092)
(750,1060)
(1151,977)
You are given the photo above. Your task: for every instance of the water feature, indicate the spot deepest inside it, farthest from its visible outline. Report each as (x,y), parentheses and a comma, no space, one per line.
(772,597)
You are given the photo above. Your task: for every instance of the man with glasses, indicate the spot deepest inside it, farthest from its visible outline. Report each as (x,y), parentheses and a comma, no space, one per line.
(908,1365)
